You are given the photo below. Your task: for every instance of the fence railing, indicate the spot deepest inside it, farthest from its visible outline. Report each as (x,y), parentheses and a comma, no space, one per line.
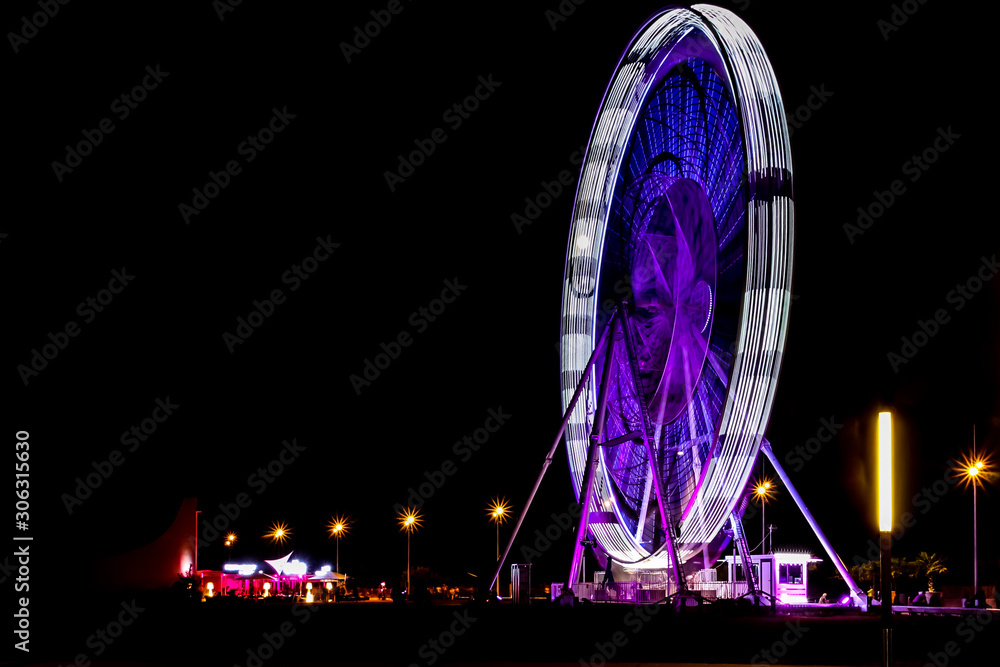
(646,592)
(635,592)
(720,590)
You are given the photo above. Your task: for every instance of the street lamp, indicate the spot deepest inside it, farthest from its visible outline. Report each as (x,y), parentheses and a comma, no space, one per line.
(230,541)
(498,511)
(976,471)
(973,473)
(885,530)
(409,521)
(764,489)
(337,527)
(279,532)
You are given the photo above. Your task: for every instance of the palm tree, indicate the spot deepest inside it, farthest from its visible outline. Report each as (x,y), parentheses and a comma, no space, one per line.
(865,572)
(900,567)
(927,565)
(902,571)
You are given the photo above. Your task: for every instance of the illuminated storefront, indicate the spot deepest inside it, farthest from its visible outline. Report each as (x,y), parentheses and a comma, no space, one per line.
(279,578)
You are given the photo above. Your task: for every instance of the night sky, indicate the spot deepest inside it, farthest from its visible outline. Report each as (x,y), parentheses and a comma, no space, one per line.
(306,213)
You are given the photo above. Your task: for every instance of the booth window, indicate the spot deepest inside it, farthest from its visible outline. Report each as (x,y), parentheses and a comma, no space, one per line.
(790,573)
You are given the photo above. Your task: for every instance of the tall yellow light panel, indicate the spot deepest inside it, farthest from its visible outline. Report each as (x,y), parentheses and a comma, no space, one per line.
(885,472)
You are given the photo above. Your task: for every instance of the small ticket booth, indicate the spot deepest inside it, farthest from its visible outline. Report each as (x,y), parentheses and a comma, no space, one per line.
(784,573)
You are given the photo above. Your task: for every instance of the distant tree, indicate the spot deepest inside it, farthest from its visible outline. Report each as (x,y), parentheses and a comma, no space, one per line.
(865,573)
(869,573)
(903,580)
(928,565)
(901,568)
(425,577)
(430,577)
(188,585)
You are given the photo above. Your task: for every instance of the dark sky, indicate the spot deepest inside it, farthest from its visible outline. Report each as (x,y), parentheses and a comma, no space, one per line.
(886,97)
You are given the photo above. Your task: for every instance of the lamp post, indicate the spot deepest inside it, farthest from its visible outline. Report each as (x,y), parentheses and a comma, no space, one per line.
(973,473)
(230,541)
(975,470)
(885,529)
(337,527)
(763,492)
(409,521)
(279,532)
(498,511)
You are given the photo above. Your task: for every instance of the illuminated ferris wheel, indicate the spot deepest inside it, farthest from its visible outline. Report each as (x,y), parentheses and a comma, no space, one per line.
(676,291)
(676,295)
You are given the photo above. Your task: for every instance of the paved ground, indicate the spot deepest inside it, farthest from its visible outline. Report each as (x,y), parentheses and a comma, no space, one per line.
(270,635)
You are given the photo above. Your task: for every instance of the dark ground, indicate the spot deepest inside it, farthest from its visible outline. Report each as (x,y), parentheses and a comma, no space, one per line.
(373,632)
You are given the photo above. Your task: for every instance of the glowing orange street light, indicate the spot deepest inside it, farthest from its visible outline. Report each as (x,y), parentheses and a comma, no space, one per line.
(279,532)
(230,541)
(338,526)
(409,521)
(764,489)
(498,510)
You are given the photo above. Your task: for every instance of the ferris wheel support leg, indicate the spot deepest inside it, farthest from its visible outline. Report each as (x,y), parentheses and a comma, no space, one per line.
(857,595)
(679,582)
(593,448)
(584,376)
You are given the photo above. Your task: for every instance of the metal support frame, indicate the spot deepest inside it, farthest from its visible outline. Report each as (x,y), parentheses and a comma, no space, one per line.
(555,444)
(587,490)
(744,549)
(859,596)
(654,463)
(885,587)
(633,435)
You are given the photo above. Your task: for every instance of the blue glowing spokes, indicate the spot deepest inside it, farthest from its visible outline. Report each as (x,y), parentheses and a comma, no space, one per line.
(690,129)
(688,133)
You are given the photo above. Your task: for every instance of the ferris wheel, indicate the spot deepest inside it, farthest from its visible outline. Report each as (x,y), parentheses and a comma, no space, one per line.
(679,264)
(676,295)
